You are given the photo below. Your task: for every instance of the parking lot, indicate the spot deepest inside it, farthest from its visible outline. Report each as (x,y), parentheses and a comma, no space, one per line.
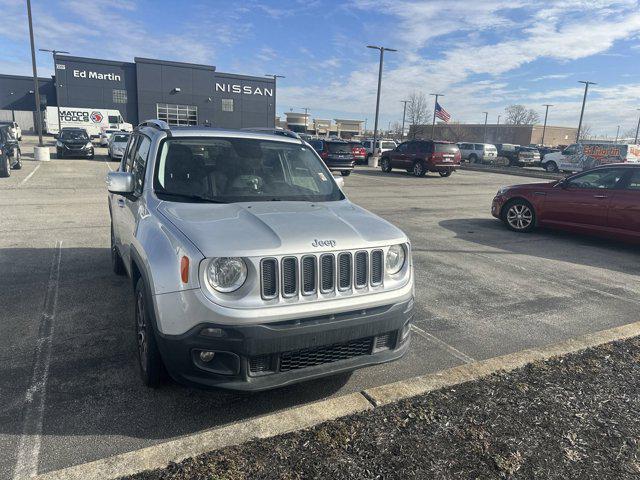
(482,291)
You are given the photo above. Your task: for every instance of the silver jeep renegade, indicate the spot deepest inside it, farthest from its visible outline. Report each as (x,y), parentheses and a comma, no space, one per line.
(250,268)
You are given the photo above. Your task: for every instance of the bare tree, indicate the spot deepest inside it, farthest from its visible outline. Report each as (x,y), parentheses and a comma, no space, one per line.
(521,115)
(417,110)
(585,132)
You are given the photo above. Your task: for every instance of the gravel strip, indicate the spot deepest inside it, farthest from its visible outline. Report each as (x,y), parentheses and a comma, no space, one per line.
(576,416)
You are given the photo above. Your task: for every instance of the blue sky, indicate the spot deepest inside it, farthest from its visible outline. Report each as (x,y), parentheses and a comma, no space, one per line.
(482,54)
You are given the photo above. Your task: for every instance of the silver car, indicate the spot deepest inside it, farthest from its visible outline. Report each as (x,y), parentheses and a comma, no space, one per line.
(250,268)
(117,144)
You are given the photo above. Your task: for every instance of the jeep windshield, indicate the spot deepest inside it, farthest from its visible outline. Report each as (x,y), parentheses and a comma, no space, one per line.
(227,170)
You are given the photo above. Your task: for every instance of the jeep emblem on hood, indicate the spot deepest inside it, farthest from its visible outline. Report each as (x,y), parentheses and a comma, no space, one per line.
(323,243)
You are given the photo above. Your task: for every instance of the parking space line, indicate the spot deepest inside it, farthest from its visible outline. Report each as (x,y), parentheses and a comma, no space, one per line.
(33,412)
(445,346)
(24,180)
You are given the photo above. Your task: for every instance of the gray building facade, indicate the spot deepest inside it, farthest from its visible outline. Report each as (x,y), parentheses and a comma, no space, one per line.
(179,93)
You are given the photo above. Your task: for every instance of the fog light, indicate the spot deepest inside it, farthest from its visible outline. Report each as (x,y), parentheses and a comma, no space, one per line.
(207,356)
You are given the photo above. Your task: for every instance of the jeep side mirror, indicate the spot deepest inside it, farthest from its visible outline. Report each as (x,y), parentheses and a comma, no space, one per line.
(120,182)
(563,183)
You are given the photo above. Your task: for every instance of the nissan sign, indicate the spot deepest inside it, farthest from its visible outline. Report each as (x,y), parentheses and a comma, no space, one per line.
(243,89)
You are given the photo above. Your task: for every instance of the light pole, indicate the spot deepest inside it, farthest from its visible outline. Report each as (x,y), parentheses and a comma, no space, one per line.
(497,125)
(36,90)
(637,128)
(404,114)
(584,100)
(375,126)
(13,112)
(617,133)
(544,127)
(306,118)
(433,124)
(55,76)
(275,89)
(486,116)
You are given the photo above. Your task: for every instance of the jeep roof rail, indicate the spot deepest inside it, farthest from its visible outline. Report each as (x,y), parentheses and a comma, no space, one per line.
(155,123)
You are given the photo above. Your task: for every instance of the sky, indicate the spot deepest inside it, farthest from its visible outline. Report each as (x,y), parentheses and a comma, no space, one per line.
(483,55)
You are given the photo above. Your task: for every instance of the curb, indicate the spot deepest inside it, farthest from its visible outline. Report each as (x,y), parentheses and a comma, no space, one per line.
(520,172)
(159,456)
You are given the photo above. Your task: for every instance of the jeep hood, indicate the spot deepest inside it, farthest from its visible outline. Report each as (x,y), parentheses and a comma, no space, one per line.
(275,228)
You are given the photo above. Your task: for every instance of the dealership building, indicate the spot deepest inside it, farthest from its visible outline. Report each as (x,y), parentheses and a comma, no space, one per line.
(179,93)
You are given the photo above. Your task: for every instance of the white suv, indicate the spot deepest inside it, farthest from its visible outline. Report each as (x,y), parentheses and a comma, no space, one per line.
(478,152)
(383,146)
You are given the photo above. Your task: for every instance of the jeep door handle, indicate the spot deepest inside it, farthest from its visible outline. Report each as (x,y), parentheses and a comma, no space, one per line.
(121,202)
(599,196)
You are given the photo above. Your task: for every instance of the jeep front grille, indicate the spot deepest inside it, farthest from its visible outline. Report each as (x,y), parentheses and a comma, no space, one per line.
(321,274)
(269,267)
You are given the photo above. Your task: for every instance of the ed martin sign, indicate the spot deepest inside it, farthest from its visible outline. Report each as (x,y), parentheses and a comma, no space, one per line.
(243,89)
(97,75)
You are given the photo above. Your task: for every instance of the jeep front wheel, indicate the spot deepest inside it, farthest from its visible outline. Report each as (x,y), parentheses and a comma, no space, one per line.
(149,360)
(385,164)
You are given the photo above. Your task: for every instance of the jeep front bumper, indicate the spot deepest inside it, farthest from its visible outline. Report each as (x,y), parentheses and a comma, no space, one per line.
(261,356)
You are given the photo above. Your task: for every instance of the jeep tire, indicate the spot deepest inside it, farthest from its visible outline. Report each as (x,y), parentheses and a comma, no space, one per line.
(149,360)
(385,164)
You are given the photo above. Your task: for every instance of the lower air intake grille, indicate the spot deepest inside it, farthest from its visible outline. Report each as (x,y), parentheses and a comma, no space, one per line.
(321,355)
(269,278)
(260,364)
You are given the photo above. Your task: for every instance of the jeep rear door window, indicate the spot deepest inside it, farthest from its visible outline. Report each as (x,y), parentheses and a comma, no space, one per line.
(228,170)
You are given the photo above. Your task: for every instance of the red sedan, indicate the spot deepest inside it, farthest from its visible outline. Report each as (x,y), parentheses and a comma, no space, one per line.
(604,201)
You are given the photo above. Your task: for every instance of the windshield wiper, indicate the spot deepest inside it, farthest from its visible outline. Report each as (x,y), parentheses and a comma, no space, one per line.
(189,197)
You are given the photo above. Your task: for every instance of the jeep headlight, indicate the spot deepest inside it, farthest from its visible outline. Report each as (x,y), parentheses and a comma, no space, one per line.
(396,256)
(88,145)
(59,143)
(226,274)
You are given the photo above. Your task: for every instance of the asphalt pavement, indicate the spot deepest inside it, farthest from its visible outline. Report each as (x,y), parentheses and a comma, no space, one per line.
(69,388)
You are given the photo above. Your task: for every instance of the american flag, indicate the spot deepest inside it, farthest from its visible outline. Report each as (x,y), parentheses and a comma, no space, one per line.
(442,114)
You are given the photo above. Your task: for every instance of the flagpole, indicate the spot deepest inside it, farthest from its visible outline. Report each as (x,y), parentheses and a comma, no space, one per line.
(433,125)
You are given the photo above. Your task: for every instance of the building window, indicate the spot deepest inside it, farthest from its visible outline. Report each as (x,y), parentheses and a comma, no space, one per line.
(119,96)
(177,114)
(227,104)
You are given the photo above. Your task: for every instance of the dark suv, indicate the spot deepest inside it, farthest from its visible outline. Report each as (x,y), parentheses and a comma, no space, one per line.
(422,156)
(337,155)
(9,152)
(74,142)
